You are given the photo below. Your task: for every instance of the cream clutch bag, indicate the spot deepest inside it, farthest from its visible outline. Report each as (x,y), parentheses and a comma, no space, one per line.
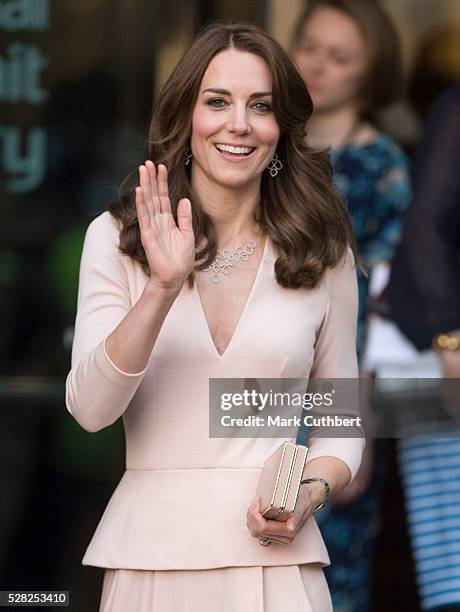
(279,481)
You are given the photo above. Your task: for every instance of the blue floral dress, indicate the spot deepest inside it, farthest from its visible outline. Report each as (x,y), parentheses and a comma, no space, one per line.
(375,183)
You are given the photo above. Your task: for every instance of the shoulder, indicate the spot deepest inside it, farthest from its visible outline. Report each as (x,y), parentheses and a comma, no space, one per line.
(393,183)
(341,286)
(103,232)
(365,135)
(344,271)
(347,261)
(102,240)
(391,153)
(375,144)
(104,225)
(387,170)
(370,161)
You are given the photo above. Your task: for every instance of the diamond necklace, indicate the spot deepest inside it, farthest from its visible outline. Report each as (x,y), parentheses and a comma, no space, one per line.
(227,258)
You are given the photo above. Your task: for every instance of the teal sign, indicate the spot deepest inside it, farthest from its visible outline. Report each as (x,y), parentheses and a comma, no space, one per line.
(23,149)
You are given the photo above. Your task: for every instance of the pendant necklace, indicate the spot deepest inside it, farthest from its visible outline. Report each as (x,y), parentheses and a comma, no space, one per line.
(226,258)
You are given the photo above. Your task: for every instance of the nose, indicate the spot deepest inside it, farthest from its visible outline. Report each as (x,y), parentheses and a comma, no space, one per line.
(238,122)
(316,64)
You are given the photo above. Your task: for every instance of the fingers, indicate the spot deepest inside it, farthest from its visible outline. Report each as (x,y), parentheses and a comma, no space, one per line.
(297,518)
(148,181)
(154,182)
(163,191)
(278,528)
(142,212)
(152,178)
(255,521)
(184,216)
(277,531)
(152,198)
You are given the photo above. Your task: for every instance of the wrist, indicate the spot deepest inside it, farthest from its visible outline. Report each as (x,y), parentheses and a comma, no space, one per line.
(316,492)
(158,289)
(319,491)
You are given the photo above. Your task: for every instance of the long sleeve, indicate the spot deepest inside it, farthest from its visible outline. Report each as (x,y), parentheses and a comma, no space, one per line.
(335,354)
(425,280)
(97,391)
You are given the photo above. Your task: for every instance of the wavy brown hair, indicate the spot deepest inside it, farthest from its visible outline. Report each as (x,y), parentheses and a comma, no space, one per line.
(299,210)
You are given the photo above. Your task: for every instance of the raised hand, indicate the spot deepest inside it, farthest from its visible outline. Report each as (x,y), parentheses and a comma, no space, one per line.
(169,247)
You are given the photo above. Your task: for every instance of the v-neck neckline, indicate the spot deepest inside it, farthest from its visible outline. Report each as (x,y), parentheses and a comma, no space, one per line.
(243,311)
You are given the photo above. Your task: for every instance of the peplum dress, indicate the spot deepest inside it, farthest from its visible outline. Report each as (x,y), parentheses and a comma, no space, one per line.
(173,536)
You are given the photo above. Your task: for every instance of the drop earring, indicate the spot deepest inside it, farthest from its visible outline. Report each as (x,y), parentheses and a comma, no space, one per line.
(188,156)
(275,166)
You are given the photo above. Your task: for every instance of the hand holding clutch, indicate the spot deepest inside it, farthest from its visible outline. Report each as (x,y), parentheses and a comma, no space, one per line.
(282,506)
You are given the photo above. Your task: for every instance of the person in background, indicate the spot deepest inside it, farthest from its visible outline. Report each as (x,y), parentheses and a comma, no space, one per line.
(424,295)
(349,56)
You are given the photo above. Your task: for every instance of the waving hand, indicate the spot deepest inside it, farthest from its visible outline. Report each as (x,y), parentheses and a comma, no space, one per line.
(169,247)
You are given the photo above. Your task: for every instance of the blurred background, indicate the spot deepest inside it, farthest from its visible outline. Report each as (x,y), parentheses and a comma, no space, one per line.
(77,80)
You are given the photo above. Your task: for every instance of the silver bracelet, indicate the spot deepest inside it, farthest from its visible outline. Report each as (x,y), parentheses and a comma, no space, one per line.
(326,490)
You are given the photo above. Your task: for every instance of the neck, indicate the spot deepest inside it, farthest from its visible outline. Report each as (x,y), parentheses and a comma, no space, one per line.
(231,210)
(331,128)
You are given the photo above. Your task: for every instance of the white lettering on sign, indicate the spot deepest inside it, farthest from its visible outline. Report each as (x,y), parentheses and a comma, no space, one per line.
(20,69)
(23,150)
(26,163)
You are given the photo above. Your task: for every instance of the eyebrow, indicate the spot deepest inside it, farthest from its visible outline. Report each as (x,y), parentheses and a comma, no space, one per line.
(224,92)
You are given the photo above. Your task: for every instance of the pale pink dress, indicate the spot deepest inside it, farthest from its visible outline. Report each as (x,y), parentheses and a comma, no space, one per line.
(179,511)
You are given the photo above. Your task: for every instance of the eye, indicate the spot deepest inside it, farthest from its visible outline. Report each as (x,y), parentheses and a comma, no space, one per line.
(216,102)
(263,107)
(306,47)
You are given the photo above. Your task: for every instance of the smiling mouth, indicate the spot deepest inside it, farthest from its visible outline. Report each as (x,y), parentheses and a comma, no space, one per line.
(236,151)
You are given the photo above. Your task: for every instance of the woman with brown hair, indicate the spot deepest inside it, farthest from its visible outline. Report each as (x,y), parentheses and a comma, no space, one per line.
(348,53)
(232,200)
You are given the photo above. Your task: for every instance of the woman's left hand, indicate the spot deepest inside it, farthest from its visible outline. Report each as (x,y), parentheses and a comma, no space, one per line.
(283,532)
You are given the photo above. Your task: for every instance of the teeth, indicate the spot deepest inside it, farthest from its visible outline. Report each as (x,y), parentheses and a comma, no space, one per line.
(237,150)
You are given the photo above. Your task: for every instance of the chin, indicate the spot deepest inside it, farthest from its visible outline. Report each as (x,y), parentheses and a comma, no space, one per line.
(235,181)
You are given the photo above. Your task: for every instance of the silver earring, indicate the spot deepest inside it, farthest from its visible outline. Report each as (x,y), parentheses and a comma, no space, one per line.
(275,166)
(188,156)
